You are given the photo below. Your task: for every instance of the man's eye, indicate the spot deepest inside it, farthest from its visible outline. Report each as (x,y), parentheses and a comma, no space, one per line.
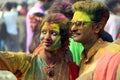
(78,23)
(43,32)
(54,33)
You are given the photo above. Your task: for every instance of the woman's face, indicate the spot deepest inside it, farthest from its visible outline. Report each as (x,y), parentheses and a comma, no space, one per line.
(50,36)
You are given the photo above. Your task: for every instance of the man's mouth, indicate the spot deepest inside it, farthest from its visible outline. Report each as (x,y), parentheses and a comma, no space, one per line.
(75,34)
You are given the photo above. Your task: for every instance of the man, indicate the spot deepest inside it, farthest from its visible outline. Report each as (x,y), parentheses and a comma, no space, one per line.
(10,17)
(98,56)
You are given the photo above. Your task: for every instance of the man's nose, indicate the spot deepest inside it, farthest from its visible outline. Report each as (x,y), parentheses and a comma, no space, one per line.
(74,28)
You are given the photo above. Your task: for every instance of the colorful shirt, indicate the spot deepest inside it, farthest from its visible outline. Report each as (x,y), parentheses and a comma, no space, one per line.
(76,50)
(89,63)
(33,67)
(109,67)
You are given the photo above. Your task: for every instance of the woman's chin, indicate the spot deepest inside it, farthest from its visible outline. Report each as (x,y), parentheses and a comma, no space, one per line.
(50,49)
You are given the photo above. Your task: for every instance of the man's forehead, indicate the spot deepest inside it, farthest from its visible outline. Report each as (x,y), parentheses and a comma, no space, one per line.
(80,16)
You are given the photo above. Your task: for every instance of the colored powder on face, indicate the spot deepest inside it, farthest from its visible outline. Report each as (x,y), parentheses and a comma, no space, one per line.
(80,16)
(55,28)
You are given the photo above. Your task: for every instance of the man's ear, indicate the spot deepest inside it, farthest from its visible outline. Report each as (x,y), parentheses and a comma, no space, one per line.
(97,28)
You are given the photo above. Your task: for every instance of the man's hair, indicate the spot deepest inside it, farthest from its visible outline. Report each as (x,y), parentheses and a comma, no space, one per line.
(96,10)
(39,14)
(61,20)
(8,6)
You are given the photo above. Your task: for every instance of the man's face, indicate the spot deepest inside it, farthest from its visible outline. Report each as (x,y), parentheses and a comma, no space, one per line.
(50,36)
(81,27)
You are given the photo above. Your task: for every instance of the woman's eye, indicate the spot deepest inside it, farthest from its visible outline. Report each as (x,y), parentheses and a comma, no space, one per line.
(43,32)
(54,33)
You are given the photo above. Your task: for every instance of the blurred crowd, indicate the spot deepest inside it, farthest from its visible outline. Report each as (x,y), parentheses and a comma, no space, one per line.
(18,22)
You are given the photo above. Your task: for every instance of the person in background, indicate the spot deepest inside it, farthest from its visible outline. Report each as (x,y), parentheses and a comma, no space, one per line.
(113,24)
(22,10)
(2,28)
(41,7)
(100,59)
(37,8)
(51,63)
(10,17)
(35,20)
(2,37)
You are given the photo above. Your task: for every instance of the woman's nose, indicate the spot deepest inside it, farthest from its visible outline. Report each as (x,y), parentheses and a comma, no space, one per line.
(47,36)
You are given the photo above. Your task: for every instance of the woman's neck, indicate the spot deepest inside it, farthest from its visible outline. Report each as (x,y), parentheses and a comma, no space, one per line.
(52,57)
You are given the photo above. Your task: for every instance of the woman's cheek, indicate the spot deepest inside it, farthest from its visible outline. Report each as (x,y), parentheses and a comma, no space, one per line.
(41,38)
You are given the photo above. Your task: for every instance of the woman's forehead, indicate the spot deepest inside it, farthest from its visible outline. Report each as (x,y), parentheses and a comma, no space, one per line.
(48,25)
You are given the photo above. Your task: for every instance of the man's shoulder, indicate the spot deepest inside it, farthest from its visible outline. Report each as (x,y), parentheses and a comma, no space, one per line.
(113,47)
(117,41)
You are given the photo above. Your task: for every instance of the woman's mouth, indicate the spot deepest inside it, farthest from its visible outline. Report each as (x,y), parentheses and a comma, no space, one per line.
(47,44)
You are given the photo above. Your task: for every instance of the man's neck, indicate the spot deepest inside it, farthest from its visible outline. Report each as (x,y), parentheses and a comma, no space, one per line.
(88,45)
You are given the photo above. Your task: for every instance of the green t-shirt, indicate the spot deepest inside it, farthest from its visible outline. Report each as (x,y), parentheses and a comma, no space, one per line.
(76,50)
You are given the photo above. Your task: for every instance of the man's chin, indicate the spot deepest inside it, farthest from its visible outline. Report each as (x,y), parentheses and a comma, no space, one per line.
(76,39)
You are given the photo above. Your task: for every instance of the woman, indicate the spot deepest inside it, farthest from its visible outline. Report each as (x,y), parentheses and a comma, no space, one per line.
(49,61)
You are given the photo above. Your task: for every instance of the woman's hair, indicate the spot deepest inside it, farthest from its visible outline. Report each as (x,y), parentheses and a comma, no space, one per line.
(62,7)
(61,20)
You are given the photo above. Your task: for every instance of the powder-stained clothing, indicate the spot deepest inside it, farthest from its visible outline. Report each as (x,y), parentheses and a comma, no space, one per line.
(31,67)
(88,64)
(109,67)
